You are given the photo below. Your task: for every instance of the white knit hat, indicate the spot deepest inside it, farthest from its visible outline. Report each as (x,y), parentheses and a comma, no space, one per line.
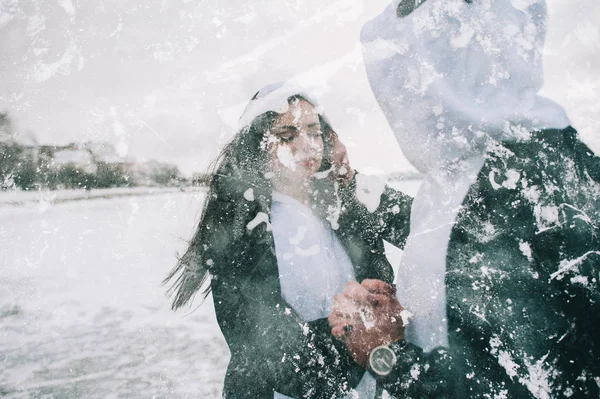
(274,97)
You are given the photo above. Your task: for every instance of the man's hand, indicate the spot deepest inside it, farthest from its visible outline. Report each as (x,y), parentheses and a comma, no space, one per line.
(342,171)
(366,316)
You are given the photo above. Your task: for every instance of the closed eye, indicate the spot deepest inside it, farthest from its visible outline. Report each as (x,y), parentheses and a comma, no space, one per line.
(314,130)
(287,134)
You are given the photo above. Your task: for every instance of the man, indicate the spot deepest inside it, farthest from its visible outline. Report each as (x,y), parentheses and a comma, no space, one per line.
(500,272)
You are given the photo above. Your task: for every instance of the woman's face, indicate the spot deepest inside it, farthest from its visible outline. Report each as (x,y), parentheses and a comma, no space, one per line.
(295,144)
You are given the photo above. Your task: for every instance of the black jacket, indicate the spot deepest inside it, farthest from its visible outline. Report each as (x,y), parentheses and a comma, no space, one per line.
(522,280)
(271,348)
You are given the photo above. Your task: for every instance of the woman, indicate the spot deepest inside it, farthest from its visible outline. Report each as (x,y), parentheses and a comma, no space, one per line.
(281,232)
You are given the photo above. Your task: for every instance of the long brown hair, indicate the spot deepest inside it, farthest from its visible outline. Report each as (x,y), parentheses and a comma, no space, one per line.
(241,165)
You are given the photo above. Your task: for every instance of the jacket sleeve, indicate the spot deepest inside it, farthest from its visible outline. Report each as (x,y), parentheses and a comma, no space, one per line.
(375,210)
(418,374)
(272,349)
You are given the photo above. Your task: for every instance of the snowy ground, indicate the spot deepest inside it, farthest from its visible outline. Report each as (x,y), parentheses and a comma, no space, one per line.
(20,197)
(82,311)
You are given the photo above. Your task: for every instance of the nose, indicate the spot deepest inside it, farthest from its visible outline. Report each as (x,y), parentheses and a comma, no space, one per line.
(305,143)
(303,137)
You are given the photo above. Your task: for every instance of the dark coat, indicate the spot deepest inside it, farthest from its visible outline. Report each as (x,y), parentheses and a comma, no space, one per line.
(522,280)
(271,348)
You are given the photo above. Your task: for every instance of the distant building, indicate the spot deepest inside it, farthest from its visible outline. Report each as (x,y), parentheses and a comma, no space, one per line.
(104,152)
(81,160)
(154,173)
(27,165)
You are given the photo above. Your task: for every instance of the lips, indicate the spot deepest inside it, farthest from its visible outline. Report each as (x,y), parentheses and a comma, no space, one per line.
(306,160)
(309,163)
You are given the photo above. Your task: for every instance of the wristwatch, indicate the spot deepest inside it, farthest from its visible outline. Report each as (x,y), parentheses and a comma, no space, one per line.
(383,358)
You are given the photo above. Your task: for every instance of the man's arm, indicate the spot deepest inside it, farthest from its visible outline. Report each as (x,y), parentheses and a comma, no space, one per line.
(368,204)
(376,210)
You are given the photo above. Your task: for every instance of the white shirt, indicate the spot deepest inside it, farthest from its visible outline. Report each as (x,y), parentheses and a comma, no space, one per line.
(449,77)
(421,275)
(313,266)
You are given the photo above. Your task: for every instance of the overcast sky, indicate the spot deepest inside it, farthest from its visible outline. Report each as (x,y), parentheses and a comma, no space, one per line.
(168,79)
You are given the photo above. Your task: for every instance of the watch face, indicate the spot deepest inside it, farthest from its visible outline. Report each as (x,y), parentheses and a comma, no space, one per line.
(382,360)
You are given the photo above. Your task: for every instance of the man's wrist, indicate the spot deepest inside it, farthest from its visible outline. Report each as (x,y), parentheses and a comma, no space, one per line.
(383,358)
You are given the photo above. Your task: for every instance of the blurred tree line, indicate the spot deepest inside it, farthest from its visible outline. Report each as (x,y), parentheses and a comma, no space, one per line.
(27,165)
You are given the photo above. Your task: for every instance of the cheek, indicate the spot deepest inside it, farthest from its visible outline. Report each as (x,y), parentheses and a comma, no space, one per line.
(319,148)
(314,146)
(281,157)
(272,150)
